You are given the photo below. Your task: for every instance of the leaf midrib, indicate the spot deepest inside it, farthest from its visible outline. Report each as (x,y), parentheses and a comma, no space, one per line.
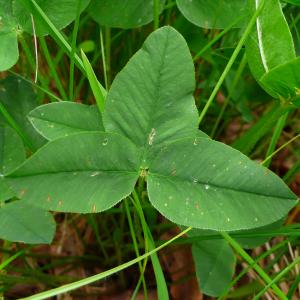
(171,178)
(75,171)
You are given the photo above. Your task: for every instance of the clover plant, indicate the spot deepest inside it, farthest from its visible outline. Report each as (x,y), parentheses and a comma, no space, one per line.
(151,133)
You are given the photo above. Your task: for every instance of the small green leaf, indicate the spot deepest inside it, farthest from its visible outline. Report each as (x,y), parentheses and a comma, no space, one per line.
(9,52)
(122,14)
(270,43)
(214,263)
(20,222)
(60,12)
(61,119)
(284,80)
(213,14)
(18,98)
(151,99)
(208,185)
(86,172)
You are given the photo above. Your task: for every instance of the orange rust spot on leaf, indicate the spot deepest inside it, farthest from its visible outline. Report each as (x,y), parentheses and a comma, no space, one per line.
(59,203)
(94,208)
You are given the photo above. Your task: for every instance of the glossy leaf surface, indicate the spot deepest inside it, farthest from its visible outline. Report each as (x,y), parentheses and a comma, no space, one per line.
(20,222)
(122,14)
(151,99)
(61,119)
(215,187)
(213,14)
(85,172)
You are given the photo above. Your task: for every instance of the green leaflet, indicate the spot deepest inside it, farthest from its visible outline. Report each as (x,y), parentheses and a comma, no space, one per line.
(12,154)
(15,18)
(9,52)
(192,181)
(61,119)
(151,100)
(214,263)
(284,80)
(18,98)
(20,222)
(214,14)
(215,186)
(60,12)
(271,29)
(86,172)
(122,14)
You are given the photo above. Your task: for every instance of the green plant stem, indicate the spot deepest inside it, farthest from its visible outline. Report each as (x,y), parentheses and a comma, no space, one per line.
(293,287)
(275,137)
(231,61)
(136,249)
(289,176)
(280,148)
(108,55)
(10,259)
(77,284)
(162,290)
(244,272)
(215,39)
(98,238)
(265,123)
(237,76)
(52,68)
(73,51)
(56,35)
(277,278)
(255,266)
(155,14)
(31,61)
(52,96)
